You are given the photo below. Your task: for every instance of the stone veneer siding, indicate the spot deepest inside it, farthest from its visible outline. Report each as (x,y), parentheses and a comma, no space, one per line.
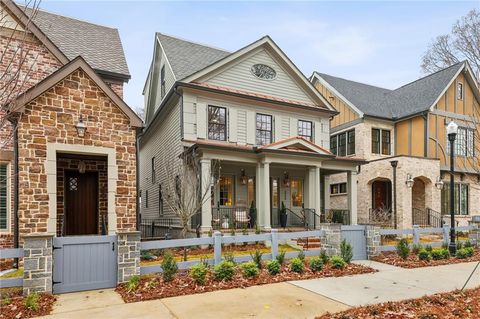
(333,237)
(51,118)
(128,255)
(37,263)
(99,166)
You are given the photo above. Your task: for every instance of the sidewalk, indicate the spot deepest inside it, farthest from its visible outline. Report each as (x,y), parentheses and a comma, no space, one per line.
(299,299)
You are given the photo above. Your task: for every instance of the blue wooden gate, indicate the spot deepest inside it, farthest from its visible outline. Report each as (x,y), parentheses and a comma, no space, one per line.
(84,263)
(356,236)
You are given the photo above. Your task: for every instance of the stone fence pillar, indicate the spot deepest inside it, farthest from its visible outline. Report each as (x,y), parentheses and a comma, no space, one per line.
(332,239)
(373,240)
(128,255)
(37,263)
(474,235)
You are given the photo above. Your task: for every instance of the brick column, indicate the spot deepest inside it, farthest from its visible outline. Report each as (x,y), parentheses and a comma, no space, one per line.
(37,263)
(128,255)
(373,240)
(332,239)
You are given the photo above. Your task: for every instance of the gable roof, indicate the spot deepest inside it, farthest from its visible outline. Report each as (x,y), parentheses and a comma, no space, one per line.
(296,143)
(18,105)
(68,38)
(186,57)
(412,98)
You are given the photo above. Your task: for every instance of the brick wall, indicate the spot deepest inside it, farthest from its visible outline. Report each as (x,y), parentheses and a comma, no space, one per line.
(51,118)
(116,87)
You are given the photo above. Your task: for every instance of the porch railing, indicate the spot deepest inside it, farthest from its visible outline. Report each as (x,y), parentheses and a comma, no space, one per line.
(156,228)
(231,217)
(426,218)
(338,216)
(381,217)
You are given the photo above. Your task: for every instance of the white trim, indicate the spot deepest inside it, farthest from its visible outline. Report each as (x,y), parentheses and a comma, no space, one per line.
(51,172)
(291,142)
(331,88)
(9,199)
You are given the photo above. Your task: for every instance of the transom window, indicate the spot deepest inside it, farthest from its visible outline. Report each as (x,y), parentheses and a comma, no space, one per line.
(460,91)
(217,123)
(381,142)
(305,129)
(264,129)
(3,196)
(343,144)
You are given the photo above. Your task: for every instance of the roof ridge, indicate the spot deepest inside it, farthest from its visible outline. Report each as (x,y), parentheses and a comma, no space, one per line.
(357,82)
(192,42)
(431,74)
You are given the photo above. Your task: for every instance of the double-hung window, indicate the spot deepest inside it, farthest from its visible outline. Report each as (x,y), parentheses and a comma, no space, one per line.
(217,123)
(264,129)
(343,144)
(381,142)
(3,196)
(305,130)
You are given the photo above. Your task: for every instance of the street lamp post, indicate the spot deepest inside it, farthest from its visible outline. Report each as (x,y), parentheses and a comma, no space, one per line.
(452,129)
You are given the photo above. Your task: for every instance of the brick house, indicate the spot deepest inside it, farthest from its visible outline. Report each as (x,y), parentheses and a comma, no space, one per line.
(406,128)
(69,167)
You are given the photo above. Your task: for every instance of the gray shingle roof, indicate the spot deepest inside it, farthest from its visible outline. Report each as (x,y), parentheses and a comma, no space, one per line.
(100,46)
(187,57)
(406,100)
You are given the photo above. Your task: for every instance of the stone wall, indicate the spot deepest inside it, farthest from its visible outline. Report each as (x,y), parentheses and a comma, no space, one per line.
(333,237)
(51,118)
(116,87)
(37,263)
(373,240)
(128,255)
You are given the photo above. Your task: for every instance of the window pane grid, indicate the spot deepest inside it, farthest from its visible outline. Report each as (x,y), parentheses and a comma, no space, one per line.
(264,129)
(305,129)
(3,196)
(217,123)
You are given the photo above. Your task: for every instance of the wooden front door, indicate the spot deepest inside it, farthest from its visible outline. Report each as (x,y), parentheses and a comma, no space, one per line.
(81,203)
(381,195)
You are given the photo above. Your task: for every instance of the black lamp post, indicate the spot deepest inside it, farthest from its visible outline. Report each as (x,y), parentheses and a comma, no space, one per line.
(452,130)
(394,165)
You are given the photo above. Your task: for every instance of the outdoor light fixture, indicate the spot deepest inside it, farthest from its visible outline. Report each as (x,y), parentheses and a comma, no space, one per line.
(452,129)
(243,178)
(409,181)
(82,167)
(286,180)
(81,128)
(439,183)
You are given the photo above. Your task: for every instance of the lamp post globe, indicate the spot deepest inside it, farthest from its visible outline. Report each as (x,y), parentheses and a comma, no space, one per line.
(452,129)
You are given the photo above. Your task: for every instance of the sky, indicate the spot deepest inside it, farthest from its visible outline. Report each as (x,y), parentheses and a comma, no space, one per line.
(379,43)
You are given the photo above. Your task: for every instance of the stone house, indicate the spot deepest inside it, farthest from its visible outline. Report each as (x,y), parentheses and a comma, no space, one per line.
(68,157)
(406,128)
(253,112)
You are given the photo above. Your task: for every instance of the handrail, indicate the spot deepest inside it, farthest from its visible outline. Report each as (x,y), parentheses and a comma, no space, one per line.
(302,218)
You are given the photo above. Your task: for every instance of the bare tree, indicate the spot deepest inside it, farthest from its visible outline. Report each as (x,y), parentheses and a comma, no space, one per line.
(463,43)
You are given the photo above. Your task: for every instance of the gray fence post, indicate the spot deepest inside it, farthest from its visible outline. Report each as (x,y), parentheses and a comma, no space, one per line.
(446,234)
(274,243)
(416,235)
(217,247)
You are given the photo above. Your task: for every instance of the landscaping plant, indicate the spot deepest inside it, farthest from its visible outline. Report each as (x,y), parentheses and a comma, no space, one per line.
(301,256)
(338,262)
(199,273)
(297,265)
(133,283)
(257,258)
(228,256)
(169,267)
(273,267)
(461,253)
(416,249)
(402,248)
(281,257)
(316,264)
(429,248)
(424,254)
(249,269)
(469,251)
(467,244)
(31,301)
(324,256)
(437,255)
(459,244)
(346,251)
(224,271)
(445,253)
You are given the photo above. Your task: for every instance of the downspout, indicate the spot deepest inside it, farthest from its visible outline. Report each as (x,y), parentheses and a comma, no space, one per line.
(138,132)
(16,230)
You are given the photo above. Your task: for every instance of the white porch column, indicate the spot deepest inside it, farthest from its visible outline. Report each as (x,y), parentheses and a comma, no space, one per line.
(326,192)
(206,170)
(259,195)
(352,196)
(266,196)
(314,194)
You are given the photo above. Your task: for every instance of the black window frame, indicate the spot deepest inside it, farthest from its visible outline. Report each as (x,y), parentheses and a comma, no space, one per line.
(459,91)
(386,150)
(338,189)
(351,142)
(4,196)
(162,81)
(267,137)
(146,198)
(343,149)
(376,140)
(211,124)
(458,209)
(160,200)
(302,130)
(154,172)
(334,144)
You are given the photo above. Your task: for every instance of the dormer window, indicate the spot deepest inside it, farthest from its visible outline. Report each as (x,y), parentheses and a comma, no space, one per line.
(217,123)
(460,91)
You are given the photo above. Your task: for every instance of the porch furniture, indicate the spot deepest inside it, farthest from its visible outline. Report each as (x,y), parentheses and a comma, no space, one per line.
(242,217)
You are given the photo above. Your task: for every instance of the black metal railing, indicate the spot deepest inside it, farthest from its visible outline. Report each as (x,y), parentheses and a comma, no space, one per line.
(231,217)
(426,218)
(381,217)
(157,228)
(337,216)
(434,218)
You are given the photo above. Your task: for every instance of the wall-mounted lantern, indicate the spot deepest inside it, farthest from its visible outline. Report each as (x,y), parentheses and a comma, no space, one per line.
(81,128)
(243,178)
(439,183)
(286,180)
(82,167)
(409,181)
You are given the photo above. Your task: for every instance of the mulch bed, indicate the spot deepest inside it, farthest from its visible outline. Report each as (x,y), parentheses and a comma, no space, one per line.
(412,261)
(456,304)
(6,264)
(183,284)
(12,306)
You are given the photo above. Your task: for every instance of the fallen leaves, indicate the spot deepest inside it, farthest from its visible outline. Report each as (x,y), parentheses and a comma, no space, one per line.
(412,260)
(12,306)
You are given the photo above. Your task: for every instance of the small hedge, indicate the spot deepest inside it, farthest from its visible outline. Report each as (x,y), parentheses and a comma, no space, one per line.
(316,264)
(424,254)
(249,269)
(273,267)
(224,271)
(338,262)
(297,265)
(199,273)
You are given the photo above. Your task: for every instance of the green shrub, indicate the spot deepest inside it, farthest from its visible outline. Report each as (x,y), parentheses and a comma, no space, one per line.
(324,257)
(229,257)
(281,257)
(437,255)
(459,244)
(169,267)
(429,248)
(461,253)
(249,269)
(224,271)
(316,264)
(199,273)
(31,301)
(273,267)
(257,258)
(301,256)
(346,251)
(297,265)
(402,248)
(338,262)
(416,248)
(424,254)
(133,283)
(467,244)
(469,251)
(444,245)
(445,253)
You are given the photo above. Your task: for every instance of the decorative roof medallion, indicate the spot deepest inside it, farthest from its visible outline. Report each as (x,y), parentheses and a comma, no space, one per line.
(263,71)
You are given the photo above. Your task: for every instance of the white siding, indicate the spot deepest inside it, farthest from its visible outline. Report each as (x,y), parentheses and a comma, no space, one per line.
(240,77)
(242,126)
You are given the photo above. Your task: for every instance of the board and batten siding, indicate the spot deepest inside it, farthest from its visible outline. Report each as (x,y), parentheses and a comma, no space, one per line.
(239,76)
(164,143)
(345,115)
(241,119)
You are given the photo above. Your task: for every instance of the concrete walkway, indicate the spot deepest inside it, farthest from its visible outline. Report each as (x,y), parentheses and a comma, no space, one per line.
(298,299)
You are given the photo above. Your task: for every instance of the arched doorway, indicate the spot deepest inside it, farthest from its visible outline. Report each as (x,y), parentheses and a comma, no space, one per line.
(422,214)
(418,194)
(381,194)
